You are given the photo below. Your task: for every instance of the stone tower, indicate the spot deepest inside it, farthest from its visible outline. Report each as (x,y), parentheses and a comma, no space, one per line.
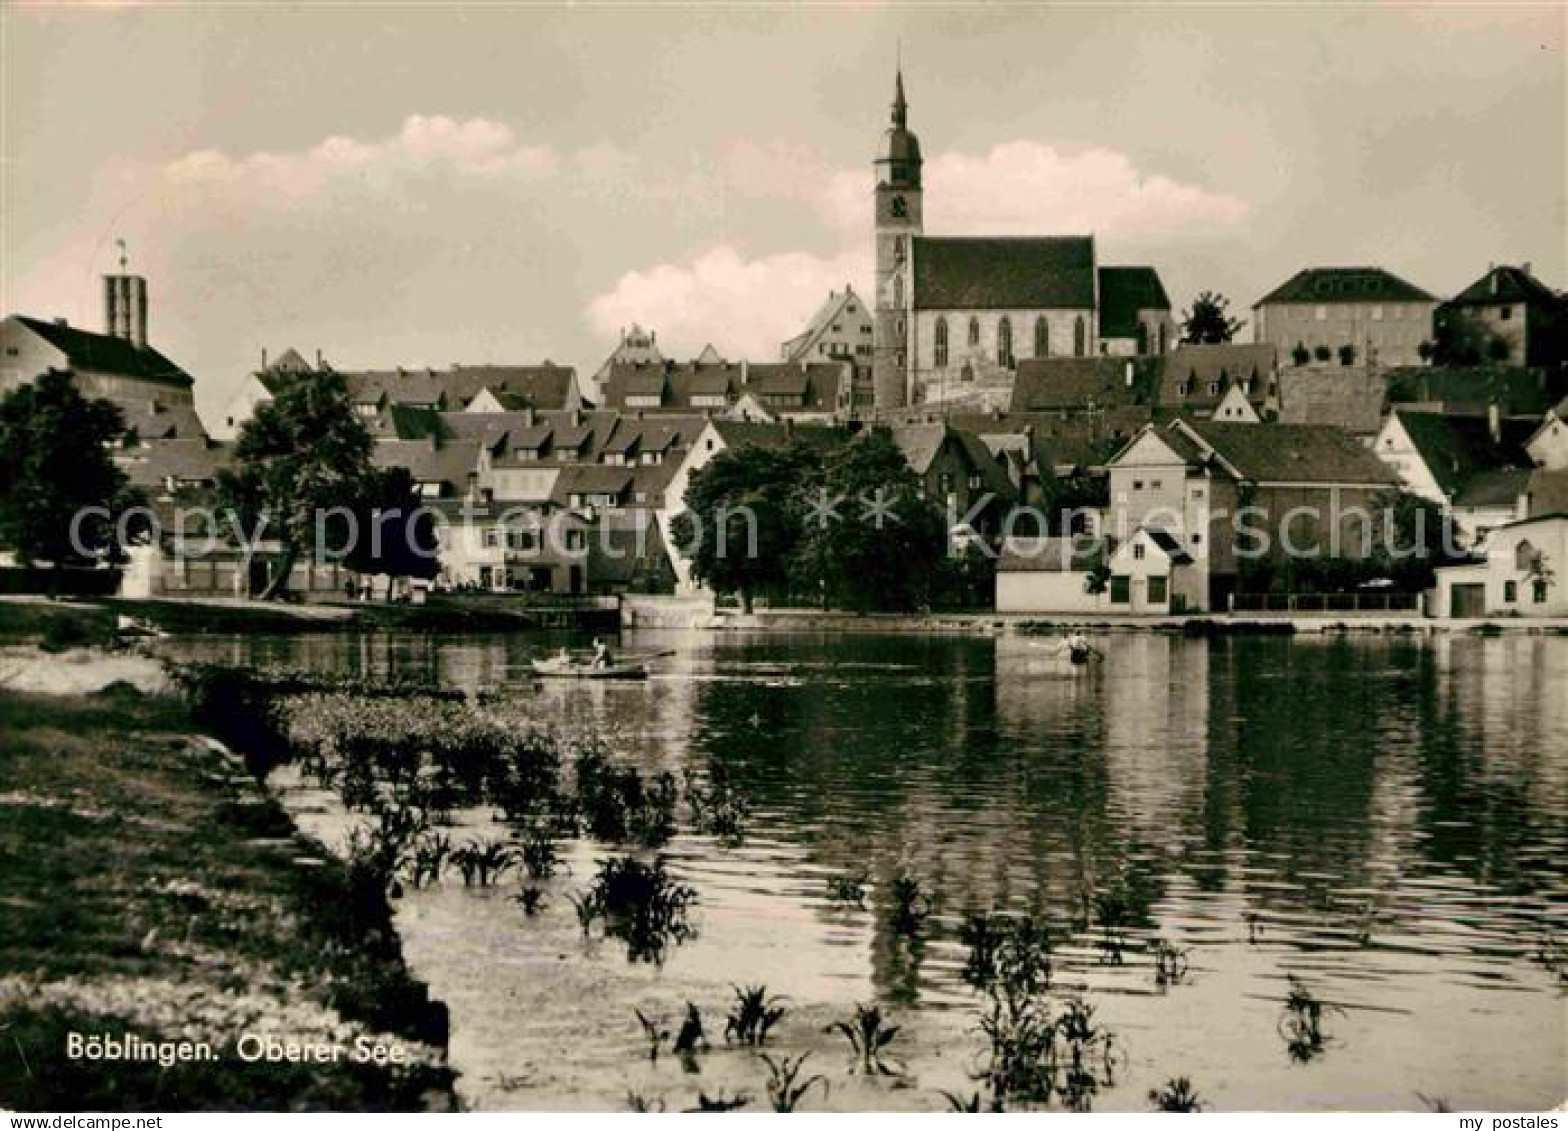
(898,221)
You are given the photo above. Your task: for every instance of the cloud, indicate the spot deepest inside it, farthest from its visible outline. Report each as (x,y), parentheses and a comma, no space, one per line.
(748,306)
(1028,188)
(745,307)
(426,144)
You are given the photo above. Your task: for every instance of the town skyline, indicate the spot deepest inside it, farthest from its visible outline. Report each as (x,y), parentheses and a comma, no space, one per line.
(527,206)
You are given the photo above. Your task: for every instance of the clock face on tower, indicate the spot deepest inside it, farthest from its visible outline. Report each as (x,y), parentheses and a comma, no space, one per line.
(899,207)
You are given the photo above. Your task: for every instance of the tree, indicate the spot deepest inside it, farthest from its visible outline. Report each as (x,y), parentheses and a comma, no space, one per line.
(1347,354)
(1209,321)
(301,454)
(55,464)
(1322,353)
(887,545)
(742,520)
(1413,537)
(393,533)
(1300,354)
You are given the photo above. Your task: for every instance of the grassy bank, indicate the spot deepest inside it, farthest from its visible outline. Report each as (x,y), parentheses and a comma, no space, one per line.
(150,889)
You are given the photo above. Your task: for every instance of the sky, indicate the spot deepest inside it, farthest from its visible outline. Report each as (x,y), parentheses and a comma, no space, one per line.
(423,185)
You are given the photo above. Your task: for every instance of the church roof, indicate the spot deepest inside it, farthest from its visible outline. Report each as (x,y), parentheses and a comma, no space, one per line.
(1124,291)
(1004,272)
(102,353)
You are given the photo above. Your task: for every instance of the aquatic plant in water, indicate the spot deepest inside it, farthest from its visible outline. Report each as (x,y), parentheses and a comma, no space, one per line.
(1011,950)
(849,888)
(1176,1094)
(784,1087)
(654,1033)
(1170,963)
(531,900)
(911,905)
(752,1016)
(482,861)
(641,904)
(720,1102)
(539,855)
(1302,1022)
(868,1034)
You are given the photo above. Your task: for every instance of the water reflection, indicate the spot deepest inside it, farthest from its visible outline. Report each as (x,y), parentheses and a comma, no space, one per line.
(1385,818)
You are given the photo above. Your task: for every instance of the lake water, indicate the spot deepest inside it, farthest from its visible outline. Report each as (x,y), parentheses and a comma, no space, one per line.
(1385,818)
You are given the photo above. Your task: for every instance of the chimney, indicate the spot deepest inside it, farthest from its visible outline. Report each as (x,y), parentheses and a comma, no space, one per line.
(1494,282)
(528,416)
(1494,421)
(263,359)
(125,308)
(61,322)
(318,358)
(1525,267)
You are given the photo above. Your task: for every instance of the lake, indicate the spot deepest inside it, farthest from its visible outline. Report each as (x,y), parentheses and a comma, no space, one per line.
(1384,818)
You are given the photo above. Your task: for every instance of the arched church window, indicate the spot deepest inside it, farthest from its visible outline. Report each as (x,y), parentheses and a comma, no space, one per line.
(1004,342)
(1042,337)
(898,291)
(1080,338)
(941,343)
(974,331)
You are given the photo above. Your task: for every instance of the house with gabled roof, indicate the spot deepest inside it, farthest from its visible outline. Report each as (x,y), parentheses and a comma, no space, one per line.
(154,394)
(1195,381)
(1521,573)
(1472,466)
(1306,490)
(840,330)
(1381,318)
(1548,444)
(1510,306)
(478,388)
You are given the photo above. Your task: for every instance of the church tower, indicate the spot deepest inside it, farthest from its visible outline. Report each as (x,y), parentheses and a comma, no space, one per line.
(898,221)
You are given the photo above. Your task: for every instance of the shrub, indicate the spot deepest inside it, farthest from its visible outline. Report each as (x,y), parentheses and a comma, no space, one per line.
(752,1016)
(641,905)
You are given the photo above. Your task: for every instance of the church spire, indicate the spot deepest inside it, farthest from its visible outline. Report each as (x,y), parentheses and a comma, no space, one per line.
(900,107)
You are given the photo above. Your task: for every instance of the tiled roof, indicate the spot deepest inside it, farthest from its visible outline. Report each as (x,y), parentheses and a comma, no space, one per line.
(1517,390)
(990,273)
(447,463)
(1348,397)
(1345,284)
(544,386)
(1547,492)
(1493,488)
(591,479)
(102,353)
(1506,284)
(1124,291)
(149,464)
(1050,384)
(1078,554)
(1290,453)
(743,433)
(1457,448)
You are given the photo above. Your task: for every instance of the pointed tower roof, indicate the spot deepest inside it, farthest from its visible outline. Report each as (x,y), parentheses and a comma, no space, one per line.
(899,162)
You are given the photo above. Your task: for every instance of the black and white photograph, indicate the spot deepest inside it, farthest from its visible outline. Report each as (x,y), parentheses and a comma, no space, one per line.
(897,557)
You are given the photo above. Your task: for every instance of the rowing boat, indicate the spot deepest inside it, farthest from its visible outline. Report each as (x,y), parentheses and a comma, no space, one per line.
(572,669)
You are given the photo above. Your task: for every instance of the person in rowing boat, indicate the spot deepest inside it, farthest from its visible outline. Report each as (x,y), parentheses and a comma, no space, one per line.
(1077,648)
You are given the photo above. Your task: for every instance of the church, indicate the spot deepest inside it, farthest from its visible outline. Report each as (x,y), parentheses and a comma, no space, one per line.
(955,314)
